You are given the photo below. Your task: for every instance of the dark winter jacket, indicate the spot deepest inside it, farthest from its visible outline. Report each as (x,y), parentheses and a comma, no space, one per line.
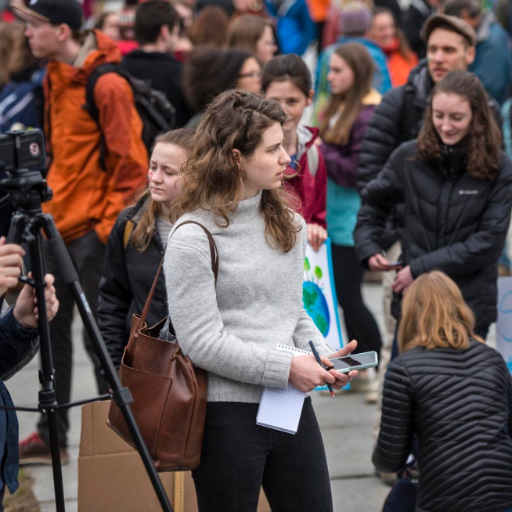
(398,118)
(163,73)
(342,161)
(453,221)
(124,287)
(16,345)
(459,405)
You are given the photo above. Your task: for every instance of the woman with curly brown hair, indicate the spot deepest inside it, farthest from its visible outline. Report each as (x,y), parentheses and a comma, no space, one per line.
(456,185)
(231,326)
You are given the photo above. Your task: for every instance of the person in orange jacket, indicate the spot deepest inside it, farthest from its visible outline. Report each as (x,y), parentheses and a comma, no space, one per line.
(96,169)
(386,33)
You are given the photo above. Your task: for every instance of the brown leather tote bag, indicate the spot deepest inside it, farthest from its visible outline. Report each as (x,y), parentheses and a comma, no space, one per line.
(169,393)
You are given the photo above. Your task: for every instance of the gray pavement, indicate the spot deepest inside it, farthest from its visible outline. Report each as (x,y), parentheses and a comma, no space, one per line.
(346,424)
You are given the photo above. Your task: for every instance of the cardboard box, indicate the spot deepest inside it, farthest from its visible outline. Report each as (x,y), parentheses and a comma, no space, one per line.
(112,478)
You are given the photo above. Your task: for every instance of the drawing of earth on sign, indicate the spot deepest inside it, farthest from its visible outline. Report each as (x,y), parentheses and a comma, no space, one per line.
(314,299)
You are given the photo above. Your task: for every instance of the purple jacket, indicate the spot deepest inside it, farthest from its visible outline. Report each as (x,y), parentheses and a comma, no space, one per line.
(341,161)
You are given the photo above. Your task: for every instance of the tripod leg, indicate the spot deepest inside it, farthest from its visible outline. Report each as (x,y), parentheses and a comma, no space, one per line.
(121,395)
(47,398)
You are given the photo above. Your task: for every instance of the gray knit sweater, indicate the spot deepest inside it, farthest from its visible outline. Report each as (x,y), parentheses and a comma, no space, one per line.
(232,329)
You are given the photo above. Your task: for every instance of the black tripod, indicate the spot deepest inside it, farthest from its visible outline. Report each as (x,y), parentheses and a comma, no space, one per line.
(26,191)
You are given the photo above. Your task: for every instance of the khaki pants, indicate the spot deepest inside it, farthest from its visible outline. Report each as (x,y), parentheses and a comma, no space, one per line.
(388,278)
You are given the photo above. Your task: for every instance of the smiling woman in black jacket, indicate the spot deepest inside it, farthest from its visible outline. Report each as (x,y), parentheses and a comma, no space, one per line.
(457,188)
(137,244)
(455,394)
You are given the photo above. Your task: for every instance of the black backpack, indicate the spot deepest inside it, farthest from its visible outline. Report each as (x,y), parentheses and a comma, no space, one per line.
(157,113)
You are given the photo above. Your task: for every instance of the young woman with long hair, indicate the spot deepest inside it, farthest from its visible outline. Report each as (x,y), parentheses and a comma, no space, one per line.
(342,130)
(287,80)
(456,185)
(231,326)
(455,395)
(137,244)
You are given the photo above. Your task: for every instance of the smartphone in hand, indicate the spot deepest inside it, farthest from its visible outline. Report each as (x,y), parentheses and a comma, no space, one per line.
(355,362)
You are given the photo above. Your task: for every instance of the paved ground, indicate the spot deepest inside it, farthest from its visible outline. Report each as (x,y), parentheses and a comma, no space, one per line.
(346,426)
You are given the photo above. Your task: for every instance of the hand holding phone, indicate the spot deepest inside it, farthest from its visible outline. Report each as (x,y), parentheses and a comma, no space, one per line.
(378,263)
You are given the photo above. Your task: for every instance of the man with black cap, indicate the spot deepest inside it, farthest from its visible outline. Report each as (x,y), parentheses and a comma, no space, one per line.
(399,118)
(96,168)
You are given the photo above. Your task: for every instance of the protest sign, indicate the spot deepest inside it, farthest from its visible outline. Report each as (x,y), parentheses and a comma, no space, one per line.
(504,323)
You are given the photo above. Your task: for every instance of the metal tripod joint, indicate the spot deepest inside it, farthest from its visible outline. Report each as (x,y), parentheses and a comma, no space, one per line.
(122,397)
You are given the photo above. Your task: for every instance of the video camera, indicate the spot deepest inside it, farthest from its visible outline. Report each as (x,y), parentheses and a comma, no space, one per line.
(22,150)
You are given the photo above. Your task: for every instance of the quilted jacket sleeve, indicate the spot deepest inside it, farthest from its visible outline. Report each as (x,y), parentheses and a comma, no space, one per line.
(483,247)
(381,138)
(378,200)
(115,295)
(396,427)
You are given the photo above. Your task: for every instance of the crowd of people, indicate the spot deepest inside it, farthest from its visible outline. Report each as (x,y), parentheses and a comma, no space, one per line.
(396,146)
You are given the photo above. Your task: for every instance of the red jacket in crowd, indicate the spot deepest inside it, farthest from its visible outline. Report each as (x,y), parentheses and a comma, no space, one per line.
(310,185)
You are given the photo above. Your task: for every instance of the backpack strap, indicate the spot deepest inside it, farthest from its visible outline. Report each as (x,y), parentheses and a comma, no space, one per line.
(313,159)
(98,72)
(408,111)
(91,107)
(128,229)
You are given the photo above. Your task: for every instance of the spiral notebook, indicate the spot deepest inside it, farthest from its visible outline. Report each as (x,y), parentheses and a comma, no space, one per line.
(280,409)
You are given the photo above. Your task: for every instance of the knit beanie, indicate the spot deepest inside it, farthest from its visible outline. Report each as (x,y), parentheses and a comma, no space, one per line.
(356,19)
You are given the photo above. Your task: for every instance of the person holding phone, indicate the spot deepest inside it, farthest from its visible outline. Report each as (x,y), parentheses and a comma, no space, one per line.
(230,327)
(454,394)
(456,185)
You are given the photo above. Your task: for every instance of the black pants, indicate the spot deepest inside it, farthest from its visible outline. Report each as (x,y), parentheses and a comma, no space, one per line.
(348,278)
(88,254)
(239,457)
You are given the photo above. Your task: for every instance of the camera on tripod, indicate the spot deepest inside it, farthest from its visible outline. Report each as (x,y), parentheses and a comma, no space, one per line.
(22,156)
(22,150)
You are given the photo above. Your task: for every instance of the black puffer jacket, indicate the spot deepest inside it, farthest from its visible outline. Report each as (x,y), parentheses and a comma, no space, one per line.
(124,287)
(454,222)
(459,405)
(398,119)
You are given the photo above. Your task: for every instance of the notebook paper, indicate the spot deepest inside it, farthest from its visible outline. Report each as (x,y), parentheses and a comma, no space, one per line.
(281,409)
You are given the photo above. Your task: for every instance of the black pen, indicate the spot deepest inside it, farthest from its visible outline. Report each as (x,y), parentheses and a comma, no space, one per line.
(317,357)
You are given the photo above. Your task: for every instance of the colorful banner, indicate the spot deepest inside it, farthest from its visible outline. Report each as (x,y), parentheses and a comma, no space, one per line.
(319,294)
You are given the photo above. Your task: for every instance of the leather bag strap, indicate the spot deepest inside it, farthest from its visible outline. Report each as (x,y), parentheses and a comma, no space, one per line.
(214,253)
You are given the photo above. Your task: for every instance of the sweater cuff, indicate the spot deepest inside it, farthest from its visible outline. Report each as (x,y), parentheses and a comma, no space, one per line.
(277,369)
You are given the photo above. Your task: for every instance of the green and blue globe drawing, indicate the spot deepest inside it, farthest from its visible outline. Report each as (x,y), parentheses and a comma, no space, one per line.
(316,306)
